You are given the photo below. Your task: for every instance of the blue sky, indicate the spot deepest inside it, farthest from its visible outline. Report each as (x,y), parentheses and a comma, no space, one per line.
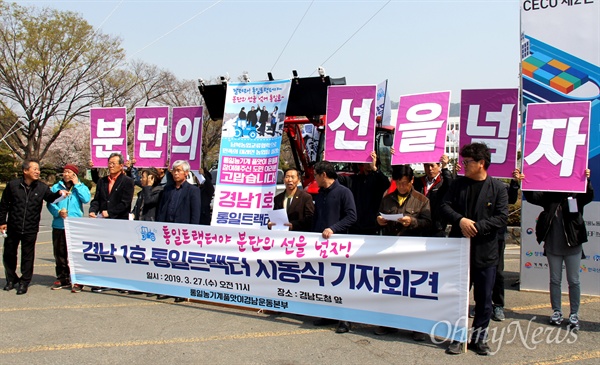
(418,45)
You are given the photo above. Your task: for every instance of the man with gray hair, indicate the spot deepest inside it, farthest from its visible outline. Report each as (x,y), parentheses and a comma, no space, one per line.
(180,202)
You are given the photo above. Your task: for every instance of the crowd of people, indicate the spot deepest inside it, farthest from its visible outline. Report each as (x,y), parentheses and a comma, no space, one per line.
(473,206)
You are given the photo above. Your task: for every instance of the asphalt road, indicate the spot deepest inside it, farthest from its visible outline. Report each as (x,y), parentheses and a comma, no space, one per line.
(58,327)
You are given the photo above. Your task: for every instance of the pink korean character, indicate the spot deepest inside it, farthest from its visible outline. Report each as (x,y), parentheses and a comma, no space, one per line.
(227,199)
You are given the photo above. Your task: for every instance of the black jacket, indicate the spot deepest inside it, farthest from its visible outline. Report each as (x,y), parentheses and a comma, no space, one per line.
(334,208)
(24,207)
(491,215)
(118,202)
(188,204)
(574,224)
(435,194)
(146,205)
(300,212)
(368,190)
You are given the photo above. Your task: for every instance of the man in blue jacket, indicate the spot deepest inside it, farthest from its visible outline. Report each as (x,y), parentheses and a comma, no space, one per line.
(72,206)
(20,210)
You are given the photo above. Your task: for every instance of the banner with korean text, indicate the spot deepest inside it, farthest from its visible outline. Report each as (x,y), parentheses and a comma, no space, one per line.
(415,283)
(560,62)
(490,116)
(186,135)
(421,128)
(350,131)
(108,134)
(151,129)
(556,146)
(249,157)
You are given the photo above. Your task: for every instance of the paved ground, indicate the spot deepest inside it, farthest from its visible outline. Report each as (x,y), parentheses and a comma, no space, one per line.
(58,327)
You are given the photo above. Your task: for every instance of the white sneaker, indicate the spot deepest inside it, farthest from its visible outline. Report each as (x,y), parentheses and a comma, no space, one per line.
(557,318)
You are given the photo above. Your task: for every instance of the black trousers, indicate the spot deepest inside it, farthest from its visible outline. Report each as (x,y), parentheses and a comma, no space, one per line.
(498,292)
(9,257)
(483,283)
(59,243)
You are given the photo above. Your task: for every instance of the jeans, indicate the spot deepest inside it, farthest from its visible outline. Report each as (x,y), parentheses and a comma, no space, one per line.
(572,263)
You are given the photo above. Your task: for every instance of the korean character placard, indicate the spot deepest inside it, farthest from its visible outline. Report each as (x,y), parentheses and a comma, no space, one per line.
(186,135)
(421,128)
(150,136)
(490,116)
(108,133)
(556,146)
(350,130)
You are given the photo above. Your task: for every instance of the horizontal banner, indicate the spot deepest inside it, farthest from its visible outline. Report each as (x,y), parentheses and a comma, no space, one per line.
(414,283)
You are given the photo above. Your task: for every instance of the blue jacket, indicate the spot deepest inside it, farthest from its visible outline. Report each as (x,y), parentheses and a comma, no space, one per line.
(80,195)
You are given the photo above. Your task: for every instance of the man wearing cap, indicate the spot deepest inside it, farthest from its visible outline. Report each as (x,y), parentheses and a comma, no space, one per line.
(72,206)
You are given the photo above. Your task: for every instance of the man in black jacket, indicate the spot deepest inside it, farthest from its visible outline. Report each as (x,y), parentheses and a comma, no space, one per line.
(263,120)
(297,203)
(434,186)
(180,202)
(252,117)
(114,192)
(477,207)
(368,187)
(335,212)
(22,202)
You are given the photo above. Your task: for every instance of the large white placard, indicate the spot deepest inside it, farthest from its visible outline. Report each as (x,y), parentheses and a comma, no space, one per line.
(415,283)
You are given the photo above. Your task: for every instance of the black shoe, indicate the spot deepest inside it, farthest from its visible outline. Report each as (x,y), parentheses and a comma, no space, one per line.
(480,347)
(99,289)
(343,327)
(419,336)
(22,289)
(455,348)
(11,285)
(324,322)
(123,291)
(180,299)
(382,331)
(162,297)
